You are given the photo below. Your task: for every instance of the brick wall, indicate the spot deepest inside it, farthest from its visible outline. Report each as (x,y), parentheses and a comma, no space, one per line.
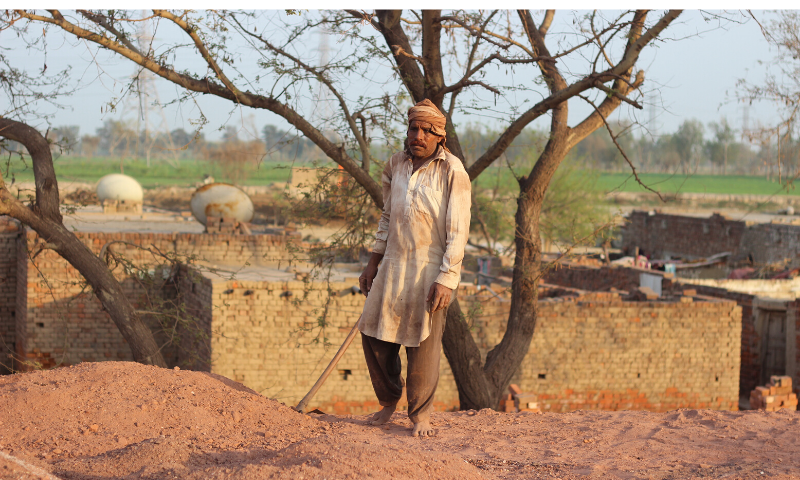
(627,355)
(8,293)
(595,279)
(660,235)
(21,303)
(59,321)
(771,242)
(794,315)
(750,370)
(603,353)
(627,278)
(268,336)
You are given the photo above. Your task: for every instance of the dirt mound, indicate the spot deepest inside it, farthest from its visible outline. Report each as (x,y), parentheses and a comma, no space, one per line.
(125,420)
(120,419)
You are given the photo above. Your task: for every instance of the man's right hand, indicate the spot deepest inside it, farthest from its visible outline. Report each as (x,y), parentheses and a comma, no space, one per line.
(366,278)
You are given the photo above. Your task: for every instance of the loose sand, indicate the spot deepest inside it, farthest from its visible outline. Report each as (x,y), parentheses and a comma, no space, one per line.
(125,420)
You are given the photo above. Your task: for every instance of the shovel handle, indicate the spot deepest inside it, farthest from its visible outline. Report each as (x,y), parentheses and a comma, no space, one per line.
(347,341)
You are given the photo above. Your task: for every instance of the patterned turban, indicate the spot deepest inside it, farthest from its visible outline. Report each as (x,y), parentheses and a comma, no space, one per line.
(426,111)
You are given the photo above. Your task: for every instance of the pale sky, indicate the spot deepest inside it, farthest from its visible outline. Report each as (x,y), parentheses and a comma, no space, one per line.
(695,77)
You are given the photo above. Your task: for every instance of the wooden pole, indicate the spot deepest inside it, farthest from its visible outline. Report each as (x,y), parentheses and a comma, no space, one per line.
(310,395)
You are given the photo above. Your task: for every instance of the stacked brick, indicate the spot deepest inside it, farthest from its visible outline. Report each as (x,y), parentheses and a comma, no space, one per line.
(227,225)
(593,278)
(614,355)
(776,395)
(122,206)
(589,351)
(627,278)
(9,231)
(518,401)
(57,320)
(700,237)
(277,338)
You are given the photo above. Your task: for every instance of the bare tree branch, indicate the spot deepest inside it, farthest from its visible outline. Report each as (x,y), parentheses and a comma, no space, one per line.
(546,22)
(320,76)
(103,22)
(335,152)
(621,150)
(629,59)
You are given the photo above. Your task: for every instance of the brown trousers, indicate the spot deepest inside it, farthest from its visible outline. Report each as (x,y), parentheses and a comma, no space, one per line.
(383,362)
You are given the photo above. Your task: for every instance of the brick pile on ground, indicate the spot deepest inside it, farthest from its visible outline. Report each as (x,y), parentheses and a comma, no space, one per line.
(774,396)
(518,401)
(226,225)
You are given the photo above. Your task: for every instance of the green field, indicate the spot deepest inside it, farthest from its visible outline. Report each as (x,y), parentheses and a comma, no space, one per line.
(189,172)
(160,173)
(668,183)
(661,182)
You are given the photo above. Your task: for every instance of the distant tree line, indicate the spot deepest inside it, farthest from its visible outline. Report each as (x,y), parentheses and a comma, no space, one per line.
(717,148)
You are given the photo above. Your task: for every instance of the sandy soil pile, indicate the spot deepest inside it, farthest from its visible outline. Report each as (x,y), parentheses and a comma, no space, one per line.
(125,420)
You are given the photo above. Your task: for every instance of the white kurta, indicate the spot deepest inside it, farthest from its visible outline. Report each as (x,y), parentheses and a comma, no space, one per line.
(422,234)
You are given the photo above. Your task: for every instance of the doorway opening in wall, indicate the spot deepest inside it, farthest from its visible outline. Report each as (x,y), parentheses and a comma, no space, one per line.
(773,345)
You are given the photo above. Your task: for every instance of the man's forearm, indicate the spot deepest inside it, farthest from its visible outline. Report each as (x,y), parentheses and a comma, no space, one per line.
(375,260)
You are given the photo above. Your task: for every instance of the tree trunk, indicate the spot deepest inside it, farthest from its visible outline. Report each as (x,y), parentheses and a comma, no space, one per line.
(483,386)
(44,217)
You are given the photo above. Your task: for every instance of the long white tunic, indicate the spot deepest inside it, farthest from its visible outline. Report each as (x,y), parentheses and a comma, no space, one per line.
(422,234)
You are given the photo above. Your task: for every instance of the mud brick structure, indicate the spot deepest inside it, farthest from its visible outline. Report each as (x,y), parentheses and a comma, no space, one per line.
(276,334)
(599,352)
(598,279)
(660,236)
(770,314)
(8,290)
(58,321)
(226,225)
(590,351)
(121,206)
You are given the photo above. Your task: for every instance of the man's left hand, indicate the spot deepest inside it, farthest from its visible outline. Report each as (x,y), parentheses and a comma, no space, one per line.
(438,297)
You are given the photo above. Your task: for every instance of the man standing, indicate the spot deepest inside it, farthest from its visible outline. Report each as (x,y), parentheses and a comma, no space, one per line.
(420,245)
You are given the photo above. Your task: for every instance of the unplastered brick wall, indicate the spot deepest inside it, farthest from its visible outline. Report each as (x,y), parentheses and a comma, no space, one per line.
(750,369)
(21,302)
(627,278)
(59,321)
(660,235)
(589,351)
(590,278)
(771,242)
(795,315)
(278,337)
(8,294)
(589,354)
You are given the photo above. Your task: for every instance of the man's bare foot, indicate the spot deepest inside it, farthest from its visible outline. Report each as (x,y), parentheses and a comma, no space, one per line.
(383,416)
(423,429)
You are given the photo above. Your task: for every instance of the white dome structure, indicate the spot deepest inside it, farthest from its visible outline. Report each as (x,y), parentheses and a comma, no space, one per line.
(117,186)
(221,200)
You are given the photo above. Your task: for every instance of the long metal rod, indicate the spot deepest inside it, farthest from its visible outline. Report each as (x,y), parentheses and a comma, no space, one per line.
(347,341)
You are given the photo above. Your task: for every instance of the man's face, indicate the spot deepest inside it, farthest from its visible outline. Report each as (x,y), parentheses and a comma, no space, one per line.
(421,141)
